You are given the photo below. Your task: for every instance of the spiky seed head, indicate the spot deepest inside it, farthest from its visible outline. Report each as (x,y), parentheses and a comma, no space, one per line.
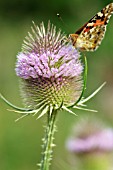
(50,69)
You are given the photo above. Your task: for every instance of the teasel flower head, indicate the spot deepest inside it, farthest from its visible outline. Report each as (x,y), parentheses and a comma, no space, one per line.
(50,70)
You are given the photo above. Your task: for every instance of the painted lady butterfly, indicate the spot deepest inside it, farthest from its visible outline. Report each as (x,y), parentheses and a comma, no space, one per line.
(89,36)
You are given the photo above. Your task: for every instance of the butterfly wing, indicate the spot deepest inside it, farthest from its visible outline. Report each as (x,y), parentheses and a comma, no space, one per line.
(89,36)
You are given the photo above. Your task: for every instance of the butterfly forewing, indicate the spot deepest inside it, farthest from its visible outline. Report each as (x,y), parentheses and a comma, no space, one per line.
(89,36)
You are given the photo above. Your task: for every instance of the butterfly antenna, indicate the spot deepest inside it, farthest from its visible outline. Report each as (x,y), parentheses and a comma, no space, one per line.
(60,18)
(58,15)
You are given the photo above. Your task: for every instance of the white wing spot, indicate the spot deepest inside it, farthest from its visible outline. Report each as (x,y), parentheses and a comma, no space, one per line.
(90,24)
(100,14)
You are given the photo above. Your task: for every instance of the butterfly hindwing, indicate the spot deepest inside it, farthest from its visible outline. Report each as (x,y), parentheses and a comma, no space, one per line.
(89,36)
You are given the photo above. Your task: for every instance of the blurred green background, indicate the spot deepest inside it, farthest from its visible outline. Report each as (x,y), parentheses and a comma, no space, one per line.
(20,143)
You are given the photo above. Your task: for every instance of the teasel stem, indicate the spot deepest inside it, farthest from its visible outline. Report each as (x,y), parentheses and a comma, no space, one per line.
(48,141)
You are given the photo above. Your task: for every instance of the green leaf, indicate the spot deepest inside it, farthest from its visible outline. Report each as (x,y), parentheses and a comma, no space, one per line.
(91,96)
(13,106)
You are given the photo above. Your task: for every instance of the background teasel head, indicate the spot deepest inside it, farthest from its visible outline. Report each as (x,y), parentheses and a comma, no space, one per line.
(90,144)
(92,137)
(50,69)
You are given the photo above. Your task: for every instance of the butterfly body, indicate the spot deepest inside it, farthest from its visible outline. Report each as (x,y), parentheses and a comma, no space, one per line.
(89,36)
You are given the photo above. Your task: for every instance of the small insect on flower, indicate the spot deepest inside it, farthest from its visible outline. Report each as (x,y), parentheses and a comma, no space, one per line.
(91,34)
